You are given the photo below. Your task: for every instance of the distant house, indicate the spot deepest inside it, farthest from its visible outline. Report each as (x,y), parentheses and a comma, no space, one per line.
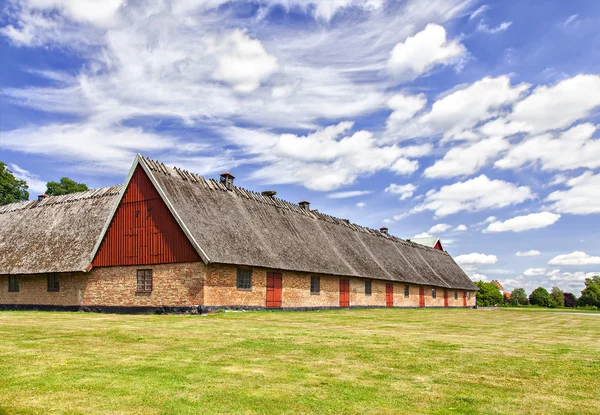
(430,241)
(171,241)
(506,294)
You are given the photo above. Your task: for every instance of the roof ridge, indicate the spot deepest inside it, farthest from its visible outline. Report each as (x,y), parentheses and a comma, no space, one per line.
(68,198)
(212,184)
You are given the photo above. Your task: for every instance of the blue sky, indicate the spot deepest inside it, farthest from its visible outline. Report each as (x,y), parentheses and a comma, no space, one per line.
(473,121)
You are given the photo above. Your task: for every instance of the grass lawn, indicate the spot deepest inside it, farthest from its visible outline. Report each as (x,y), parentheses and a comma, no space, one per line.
(414,361)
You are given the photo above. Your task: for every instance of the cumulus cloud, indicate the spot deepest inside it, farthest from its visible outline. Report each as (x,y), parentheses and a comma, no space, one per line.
(575,258)
(404,190)
(347,194)
(479,193)
(422,235)
(460,228)
(420,53)
(531,272)
(476,259)
(439,228)
(528,253)
(36,185)
(361,205)
(483,27)
(524,223)
(582,198)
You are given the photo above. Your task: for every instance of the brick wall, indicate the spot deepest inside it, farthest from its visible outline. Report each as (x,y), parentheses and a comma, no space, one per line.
(33,289)
(172,285)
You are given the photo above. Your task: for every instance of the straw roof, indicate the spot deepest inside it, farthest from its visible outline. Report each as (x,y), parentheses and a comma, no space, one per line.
(56,234)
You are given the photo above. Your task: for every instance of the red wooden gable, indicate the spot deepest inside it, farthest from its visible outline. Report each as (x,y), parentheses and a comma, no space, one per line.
(438,245)
(143,231)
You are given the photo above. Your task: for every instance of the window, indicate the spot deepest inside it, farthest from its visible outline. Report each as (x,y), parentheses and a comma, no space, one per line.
(456,294)
(315,285)
(469,295)
(53,284)
(433,293)
(367,287)
(406,291)
(244,279)
(144,280)
(13,283)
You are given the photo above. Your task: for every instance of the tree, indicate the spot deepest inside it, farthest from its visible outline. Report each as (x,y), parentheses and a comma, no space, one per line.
(570,300)
(519,297)
(541,297)
(591,293)
(558,297)
(11,189)
(64,187)
(489,294)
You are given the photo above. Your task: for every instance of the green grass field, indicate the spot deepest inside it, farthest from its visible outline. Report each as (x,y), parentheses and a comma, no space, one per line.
(414,361)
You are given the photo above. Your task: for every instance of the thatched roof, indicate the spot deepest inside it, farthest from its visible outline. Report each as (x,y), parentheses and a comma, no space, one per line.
(56,234)
(232,225)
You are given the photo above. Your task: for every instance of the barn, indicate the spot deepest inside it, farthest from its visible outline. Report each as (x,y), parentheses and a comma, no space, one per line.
(171,241)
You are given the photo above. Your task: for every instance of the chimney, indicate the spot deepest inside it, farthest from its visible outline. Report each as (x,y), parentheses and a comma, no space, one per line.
(383,229)
(304,204)
(269,193)
(227,179)
(42,197)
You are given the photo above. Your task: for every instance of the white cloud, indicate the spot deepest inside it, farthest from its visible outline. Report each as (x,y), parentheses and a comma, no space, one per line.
(460,228)
(420,53)
(582,198)
(242,62)
(404,190)
(575,258)
(461,161)
(482,27)
(570,19)
(422,235)
(573,276)
(439,228)
(476,259)
(572,149)
(528,253)
(524,223)
(532,272)
(36,185)
(476,194)
(361,205)
(347,194)
(557,106)
(404,107)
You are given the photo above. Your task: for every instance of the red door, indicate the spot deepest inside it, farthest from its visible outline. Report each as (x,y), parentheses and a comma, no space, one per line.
(464,298)
(344,293)
(421,296)
(389,295)
(274,289)
(445,298)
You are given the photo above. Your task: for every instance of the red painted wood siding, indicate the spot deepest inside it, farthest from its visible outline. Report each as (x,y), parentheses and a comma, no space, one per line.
(438,245)
(421,296)
(143,230)
(389,295)
(274,285)
(344,293)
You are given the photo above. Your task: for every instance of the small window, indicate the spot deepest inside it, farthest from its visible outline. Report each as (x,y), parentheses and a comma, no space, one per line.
(367,287)
(433,293)
(144,280)
(315,285)
(406,291)
(469,295)
(456,294)
(244,279)
(53,283)
(13,283)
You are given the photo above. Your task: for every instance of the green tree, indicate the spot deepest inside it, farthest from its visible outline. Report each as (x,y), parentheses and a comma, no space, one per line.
(570,300)
(558,296)
(591,293)
(64,187)
(11,189)
(541,297)
(489,294)
(519,297)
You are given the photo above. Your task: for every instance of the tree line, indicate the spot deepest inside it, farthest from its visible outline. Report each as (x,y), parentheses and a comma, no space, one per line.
(489,295)
(15,190)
